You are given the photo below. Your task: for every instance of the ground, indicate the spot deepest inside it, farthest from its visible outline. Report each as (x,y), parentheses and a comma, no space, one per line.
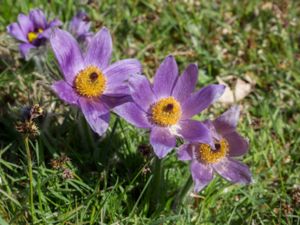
(79,178)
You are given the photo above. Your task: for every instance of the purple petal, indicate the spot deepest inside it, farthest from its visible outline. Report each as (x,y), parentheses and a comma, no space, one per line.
(101,106)
(96,115)
(50,28)
(38,18)
(237,144)
(25,49)
(227,122)
(185,152)
(46,33)
(15,31)
(55,23)
(100,49)
(202,174)
(233,171)
(195,131)
(79,24)
(165,77)
(82,16)
(118,72)
(200,100)
(65,92)
(113,101)
(81,29)
(133,114)
(162,141)
(85,38)
(141,91)
(212,129)
(25,23)
(67,53)
(186,83)
(122,89)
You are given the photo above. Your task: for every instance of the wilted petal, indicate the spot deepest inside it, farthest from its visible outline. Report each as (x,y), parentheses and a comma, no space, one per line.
(38,18)
(202,174)
(237,144)
(118,72)
(67,53)
(99,49)
(165,77)
(65,92)
(200,100)
(25,49)
(95,115)
(233,171)
(185,152)
(194,131)
(141,91)
(25,23)
(15,31)
(186,83)
(133,114)
(162,141)
(227,122)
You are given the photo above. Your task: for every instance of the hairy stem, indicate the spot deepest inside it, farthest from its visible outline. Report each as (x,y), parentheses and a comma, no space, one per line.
(181,195)
(29,162)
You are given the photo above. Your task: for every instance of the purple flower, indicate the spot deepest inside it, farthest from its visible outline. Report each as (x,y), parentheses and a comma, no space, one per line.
(89,81)
(167,106)
(32,30)
(79,27)
(228,143)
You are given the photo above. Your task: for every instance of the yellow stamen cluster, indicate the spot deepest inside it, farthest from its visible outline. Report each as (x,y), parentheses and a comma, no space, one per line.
(33,35)
(166,112)
(90,82)
(207,155)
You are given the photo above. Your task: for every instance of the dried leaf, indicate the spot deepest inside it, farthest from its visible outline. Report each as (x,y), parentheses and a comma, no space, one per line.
(238,91)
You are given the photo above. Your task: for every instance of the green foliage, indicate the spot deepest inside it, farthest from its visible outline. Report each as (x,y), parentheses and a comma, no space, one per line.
(113,183)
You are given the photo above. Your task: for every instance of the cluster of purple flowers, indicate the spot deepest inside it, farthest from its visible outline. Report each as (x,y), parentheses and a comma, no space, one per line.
(34,30)
(165,107)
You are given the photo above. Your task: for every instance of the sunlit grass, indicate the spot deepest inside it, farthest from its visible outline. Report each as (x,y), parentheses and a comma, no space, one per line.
(113,182)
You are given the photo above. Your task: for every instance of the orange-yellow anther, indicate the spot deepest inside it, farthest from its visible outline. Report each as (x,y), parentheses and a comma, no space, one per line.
(207,155)
(90,82)
(166,112)
(33,35)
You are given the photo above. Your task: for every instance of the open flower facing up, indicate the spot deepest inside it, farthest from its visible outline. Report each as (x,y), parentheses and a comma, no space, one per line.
(79,27)
(166,107)
(228,143)
(32,30)
(89,81)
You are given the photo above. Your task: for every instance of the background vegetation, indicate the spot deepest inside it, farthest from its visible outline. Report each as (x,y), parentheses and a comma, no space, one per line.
(80,178)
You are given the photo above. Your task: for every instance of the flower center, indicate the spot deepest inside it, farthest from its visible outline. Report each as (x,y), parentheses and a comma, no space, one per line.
(166,112)
(207,155)
(90,82)
(34,35)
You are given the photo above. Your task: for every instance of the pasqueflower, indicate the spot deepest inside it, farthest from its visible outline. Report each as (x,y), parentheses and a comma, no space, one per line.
(167,106)
(228,143)
(79,27)
(90,82)
(32,30)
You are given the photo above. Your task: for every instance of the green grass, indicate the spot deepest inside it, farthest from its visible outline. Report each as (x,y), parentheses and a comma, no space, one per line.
(113,182)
